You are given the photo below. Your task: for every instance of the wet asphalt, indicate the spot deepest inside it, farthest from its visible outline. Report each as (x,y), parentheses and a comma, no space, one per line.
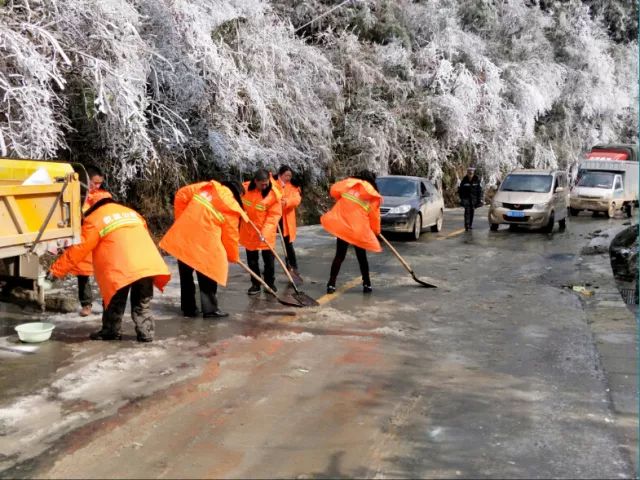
(494,374)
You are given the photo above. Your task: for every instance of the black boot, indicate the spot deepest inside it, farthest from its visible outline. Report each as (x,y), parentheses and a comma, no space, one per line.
(105,335)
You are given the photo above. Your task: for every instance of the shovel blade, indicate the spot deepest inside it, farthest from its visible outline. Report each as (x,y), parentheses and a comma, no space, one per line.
(423,283)
(305,300)
(289,301)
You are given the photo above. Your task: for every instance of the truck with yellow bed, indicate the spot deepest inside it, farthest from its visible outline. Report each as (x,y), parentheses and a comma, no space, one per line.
(40,211)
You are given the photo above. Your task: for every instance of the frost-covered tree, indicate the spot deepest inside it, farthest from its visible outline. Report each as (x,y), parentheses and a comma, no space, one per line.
(161,91)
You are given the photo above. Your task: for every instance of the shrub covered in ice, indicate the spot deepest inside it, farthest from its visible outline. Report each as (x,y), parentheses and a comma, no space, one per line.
(162,89)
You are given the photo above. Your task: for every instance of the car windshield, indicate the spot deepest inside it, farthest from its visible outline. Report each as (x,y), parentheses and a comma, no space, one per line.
(527,183)
(396,187)
(596,180)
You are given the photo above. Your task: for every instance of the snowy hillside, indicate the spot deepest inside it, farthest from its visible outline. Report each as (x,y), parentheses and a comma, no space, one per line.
(173,89)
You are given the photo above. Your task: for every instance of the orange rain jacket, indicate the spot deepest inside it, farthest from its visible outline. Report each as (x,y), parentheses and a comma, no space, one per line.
(355,218)
(122,249)
(292,198)
(265,213)
(183,197)
(205,233)
(85,266)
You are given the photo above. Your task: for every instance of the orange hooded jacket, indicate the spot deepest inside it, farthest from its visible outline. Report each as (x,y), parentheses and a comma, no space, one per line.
(122,249)
(355,218)
(85,266)
(265,213)
(205,233)
(292,198)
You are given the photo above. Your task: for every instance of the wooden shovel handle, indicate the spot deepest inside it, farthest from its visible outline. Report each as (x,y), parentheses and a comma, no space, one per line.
(284,246)
(395,252)
(284,267)
(257,277)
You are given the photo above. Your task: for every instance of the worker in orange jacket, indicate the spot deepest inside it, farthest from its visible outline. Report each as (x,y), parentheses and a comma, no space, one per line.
(291,198)
(355,220)
(84,269)
(125,259)
(263,205)
(204,237)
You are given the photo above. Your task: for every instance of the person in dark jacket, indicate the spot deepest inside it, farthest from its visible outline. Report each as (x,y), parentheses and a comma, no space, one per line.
(470,193)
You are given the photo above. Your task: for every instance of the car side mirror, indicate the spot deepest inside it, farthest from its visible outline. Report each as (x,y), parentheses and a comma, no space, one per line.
(559,189)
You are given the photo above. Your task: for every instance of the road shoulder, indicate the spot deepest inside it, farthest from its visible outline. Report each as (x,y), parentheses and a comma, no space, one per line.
(614,330)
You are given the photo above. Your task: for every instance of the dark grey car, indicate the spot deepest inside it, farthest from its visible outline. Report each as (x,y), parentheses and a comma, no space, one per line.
(410,205)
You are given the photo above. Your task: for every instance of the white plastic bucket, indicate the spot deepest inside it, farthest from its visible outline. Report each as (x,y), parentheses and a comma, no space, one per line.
(34,332)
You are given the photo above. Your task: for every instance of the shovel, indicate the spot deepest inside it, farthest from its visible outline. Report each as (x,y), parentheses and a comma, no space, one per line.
(268,288)
(297,278)
(301,297)
(406,265)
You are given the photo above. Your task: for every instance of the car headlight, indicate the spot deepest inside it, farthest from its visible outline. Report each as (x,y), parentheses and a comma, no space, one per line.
(540,207)
(400,209)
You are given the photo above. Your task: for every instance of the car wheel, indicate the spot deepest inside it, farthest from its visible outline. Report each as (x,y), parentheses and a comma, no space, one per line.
(494,226)
(549,227)
(438,226)
(574,211)
(629,210)
(417,228)
(612,210)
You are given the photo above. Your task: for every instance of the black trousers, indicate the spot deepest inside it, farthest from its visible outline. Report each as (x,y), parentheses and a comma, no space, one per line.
(253,259)
(291,260)
(341,253)
(141,295)
(468,213)
(85,295)
(208,290)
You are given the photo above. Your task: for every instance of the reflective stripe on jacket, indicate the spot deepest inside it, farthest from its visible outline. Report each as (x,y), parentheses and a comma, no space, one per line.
(122,249)
(355,218)
(205,235)
(183,197)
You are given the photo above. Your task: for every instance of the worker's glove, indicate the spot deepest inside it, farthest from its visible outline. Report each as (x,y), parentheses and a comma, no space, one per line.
(262,239)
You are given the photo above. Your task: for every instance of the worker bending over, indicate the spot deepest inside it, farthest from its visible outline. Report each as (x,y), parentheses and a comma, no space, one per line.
(125,259)
(354,220)
(204,238)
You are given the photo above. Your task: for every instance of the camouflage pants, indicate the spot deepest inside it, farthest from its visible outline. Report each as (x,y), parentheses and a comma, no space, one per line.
(141,295)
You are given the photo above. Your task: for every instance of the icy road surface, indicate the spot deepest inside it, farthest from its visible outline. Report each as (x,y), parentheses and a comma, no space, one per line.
(493,375)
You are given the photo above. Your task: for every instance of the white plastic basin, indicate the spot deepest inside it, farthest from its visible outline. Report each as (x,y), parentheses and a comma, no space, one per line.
(35,332)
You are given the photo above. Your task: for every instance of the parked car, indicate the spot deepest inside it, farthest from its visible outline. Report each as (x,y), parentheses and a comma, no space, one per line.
(531,198)
(411,204)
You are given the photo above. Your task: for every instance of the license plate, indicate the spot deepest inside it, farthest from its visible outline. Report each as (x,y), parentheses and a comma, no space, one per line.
(514,213)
